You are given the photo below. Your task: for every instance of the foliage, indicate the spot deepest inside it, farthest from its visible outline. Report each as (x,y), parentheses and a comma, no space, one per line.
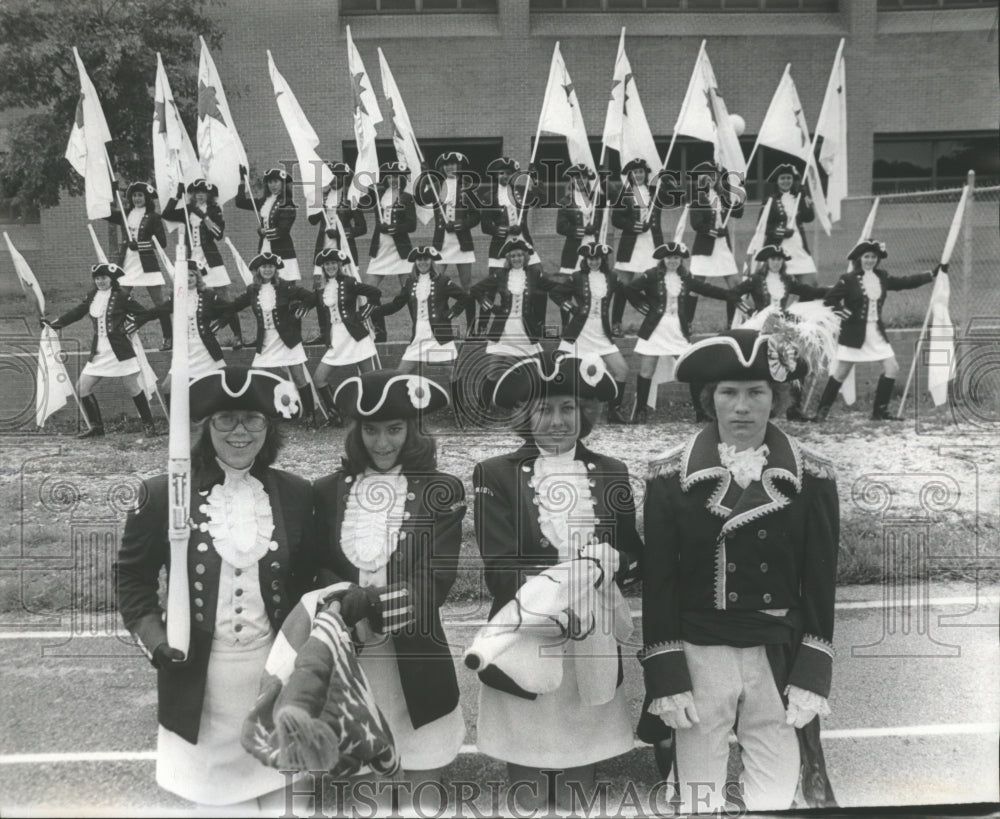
(118,41)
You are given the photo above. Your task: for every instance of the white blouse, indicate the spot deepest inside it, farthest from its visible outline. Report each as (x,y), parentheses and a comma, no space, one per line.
(565,503)
(373,517)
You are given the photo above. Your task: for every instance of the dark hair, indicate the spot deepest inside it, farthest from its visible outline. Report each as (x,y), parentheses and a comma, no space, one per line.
(587,410)
(781,398)
(857,268)
(774,192)
(203,452)
(761,268)
(419,452)
(585,267)
(681,270)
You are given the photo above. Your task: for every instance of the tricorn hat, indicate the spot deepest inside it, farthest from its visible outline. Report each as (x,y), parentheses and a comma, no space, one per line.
(593,249)
(516,243)
(384,395)
(203,186)
(266,258)
(424,252)
(771,252)
(455,157)
(638,162)
(671,249)
(243,388)
(741,355)
(503,164)
(580,170)
(784,168)
(867,246)
(107,269)
(278,173)
(331,254)
(142,187)
(554,373)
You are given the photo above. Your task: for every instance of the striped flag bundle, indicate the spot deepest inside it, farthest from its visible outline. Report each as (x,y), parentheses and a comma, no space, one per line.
(315,710)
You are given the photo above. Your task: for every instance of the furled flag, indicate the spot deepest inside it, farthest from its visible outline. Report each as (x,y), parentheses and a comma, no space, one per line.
(174,157)
(940,343)
(561,113)
(315,173)
(52,385)
(404,138)
(219,146)
(831,136)
(704,116)
(366,117)
(785,129)
(241,266)
(625,127)
(87,150)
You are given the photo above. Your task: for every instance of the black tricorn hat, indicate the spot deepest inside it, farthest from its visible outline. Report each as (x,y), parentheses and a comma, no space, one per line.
(671,249)
(554,373)
(384,395)
(331,254)
(516,243)
(203,186)
(424,252)
(638,162)
(278,173)
(593,249)
(107,269)
(867,246)
(266,258)
(143,187)
(784,168)
(771,252)
(197,267)
(503,164)
(456,157)
(243,388)
(580,170)
(740,355)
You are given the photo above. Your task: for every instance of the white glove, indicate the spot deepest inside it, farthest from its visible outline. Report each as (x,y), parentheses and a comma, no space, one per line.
(804,706)
(677,711)
(605,555)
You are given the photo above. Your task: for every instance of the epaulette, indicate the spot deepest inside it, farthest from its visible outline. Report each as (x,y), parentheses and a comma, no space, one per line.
(667,464)
(818,466)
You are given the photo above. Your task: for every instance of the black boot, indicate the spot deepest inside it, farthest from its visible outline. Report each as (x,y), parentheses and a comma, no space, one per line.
(700,417)
(689,305)
(457,403)
(323,337)
(615,415)
(641,412)
(237,331)
(378,322)
(308,404)
(830,393)
(142,404)
(326,396)
(471,311)
(167,329)
(663,753)
(883,392)
(794,412)
(93,412)
(730,313)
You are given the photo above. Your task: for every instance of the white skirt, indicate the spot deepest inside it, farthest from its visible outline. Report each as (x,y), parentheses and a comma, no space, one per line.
(720,263)
(553,730)
(135,276)
(105,363)
(875,347)
(426,349)
(200,361)
(642,255)
(216,770)
(290,270)
(666,339)
(345,349)
(452,253)
(388,262)
(274,353)
(591,340)
(801,262)
(514,342)
(430,746)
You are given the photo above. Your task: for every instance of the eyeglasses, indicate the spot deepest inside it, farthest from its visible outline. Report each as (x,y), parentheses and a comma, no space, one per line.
(228,421)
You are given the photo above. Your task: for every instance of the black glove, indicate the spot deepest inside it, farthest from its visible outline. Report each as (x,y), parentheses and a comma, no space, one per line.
(133,245)
(261,231)
(590,230)
(941,268)
(243,172)
(331,233)
(164,656)
(180,190)
(44,322)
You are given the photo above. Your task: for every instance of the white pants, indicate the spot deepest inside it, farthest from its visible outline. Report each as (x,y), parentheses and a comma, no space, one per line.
(736,685)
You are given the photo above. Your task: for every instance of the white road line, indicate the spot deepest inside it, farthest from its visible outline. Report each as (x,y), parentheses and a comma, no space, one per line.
(955,729)
(847,605)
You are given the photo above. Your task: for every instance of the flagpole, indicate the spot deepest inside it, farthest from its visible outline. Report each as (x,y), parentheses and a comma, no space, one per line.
(118,195)
(949,246)
(538,136)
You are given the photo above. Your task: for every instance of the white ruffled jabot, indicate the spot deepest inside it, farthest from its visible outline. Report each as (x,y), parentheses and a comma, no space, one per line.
(239,515)
(565,503)
(373,518)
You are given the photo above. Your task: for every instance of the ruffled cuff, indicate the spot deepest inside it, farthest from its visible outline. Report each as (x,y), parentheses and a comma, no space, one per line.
(677,702)
(807,700)
(665,669)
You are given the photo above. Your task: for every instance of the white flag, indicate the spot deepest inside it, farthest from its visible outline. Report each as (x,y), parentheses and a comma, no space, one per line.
(704,116)
(940,343)
(625,127)
(241,266)
(561,113)
(25,275)
(315,173)
(219,146)
(147,378)
(87,150)
(785,129)
(53,387)
(174,158)
(366,116)
(831,131)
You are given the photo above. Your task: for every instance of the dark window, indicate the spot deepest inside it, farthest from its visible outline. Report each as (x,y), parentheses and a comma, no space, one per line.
(916,5)
(685,5)
(480,150)
(352,7)
(908,162)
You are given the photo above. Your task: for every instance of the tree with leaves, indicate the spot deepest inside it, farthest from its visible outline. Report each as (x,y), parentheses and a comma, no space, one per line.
(118,41)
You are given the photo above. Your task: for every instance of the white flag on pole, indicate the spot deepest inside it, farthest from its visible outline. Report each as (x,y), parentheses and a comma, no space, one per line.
(561,114)
(941,342)
(174,158)
(87,149)
(831,131)
(219,146)
(366,116)
(53,387)
(241,266)
(312,170)
(25,275)
(626,129)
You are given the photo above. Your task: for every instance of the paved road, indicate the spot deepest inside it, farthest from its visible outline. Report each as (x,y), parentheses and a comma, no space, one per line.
(916,711)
